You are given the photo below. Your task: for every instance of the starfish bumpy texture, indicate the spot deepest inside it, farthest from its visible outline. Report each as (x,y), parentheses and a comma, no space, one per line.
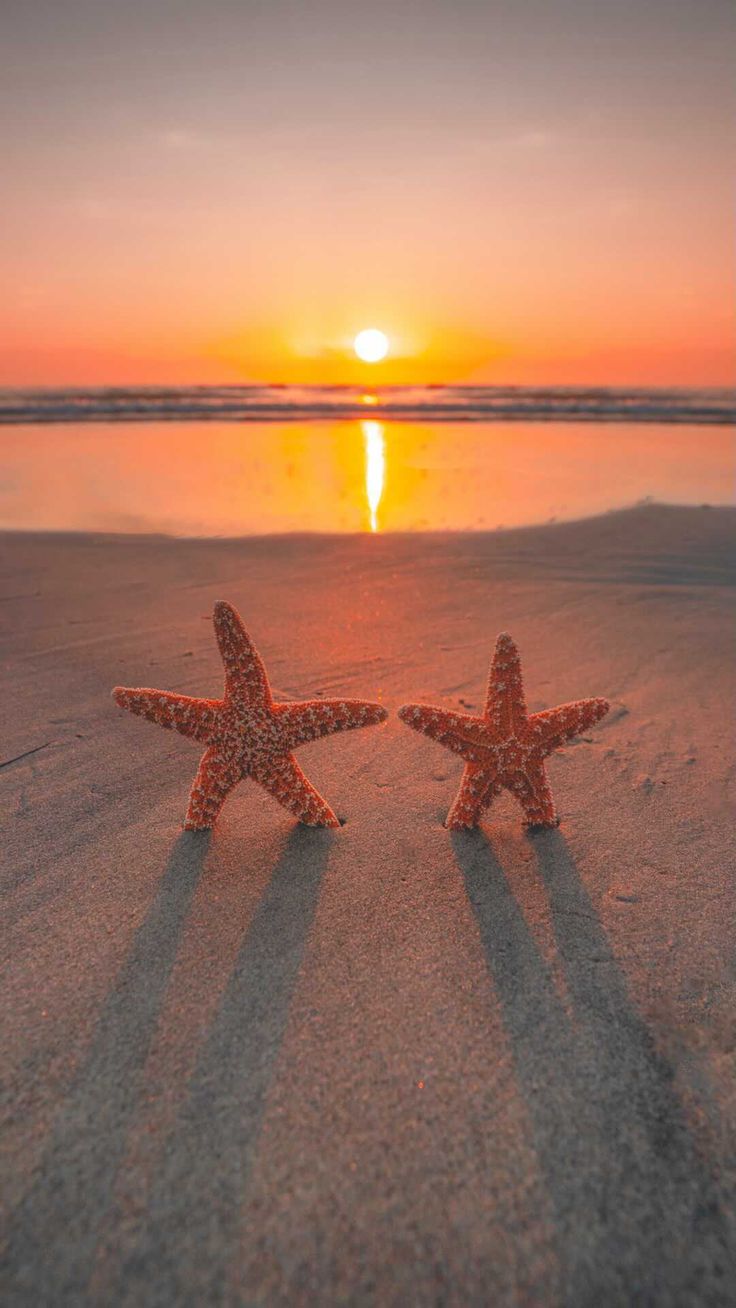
(505,747)
(247,733)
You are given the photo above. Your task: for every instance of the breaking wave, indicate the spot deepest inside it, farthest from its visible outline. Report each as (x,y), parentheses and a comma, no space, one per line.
(400,403)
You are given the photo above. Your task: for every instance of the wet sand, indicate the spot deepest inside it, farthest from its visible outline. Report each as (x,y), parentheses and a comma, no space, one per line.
(383,1065)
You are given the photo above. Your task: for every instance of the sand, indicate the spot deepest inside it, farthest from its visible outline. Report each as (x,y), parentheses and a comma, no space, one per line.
(383,1065)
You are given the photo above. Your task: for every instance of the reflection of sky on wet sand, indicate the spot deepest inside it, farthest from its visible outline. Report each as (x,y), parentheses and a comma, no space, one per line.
(236,479)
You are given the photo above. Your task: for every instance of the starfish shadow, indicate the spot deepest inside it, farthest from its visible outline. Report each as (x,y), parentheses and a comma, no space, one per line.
(52,1237)
(190,1231)
(636,1211)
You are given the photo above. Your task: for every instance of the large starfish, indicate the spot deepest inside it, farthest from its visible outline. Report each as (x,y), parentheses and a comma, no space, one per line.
(505,747)
(247,733)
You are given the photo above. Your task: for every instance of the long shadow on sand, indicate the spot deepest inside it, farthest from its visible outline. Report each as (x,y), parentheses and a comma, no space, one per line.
(54,1233)
(636,1210)
(190,1230)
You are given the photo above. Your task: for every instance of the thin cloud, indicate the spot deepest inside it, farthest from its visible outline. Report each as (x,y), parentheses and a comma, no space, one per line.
(532,139)
(184,139)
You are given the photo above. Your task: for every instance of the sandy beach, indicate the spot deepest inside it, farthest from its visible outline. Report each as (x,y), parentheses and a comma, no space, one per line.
(384,1065)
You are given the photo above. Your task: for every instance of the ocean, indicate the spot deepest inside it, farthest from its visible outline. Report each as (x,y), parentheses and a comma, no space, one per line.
(406,403)
(242,460)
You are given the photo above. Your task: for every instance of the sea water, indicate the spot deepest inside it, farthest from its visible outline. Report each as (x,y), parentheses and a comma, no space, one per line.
(242,460)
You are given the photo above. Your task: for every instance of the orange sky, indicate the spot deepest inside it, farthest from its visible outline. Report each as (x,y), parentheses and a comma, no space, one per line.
(515,193)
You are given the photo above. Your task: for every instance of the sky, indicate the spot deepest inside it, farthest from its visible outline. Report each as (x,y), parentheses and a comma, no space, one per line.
(515,191)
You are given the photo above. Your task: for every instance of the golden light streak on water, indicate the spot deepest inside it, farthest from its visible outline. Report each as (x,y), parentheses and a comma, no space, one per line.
(375,467)
(236,479)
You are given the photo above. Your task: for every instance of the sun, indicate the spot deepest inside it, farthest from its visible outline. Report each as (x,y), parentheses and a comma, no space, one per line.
(371,345)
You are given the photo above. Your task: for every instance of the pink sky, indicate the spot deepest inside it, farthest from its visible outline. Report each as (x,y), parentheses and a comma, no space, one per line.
(213,192)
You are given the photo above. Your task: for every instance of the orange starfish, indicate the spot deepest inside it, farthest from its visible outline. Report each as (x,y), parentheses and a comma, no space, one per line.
(246,733)
(505,747)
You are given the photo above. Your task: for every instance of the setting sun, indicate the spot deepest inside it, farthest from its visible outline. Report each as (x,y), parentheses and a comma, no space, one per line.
(371,345)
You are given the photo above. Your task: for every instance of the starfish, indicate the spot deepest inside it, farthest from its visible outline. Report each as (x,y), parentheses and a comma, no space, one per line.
(504,747)
(248,734)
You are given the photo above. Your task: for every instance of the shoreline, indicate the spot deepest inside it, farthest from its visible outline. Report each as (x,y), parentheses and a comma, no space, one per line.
(476,533)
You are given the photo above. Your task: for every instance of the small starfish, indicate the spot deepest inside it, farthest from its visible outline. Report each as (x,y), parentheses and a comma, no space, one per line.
(247,733)
(505,747)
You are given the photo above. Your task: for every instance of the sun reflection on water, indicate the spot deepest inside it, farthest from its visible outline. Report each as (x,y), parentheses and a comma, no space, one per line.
(369,475)
(375,467)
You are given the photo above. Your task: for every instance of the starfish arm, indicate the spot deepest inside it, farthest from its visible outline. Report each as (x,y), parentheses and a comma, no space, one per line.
(460,732)
(554,726)
(245,676)
(310,719)
(532,790)
(191,717)
(477,789)
(505,705)
(216,776)
(283,778)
